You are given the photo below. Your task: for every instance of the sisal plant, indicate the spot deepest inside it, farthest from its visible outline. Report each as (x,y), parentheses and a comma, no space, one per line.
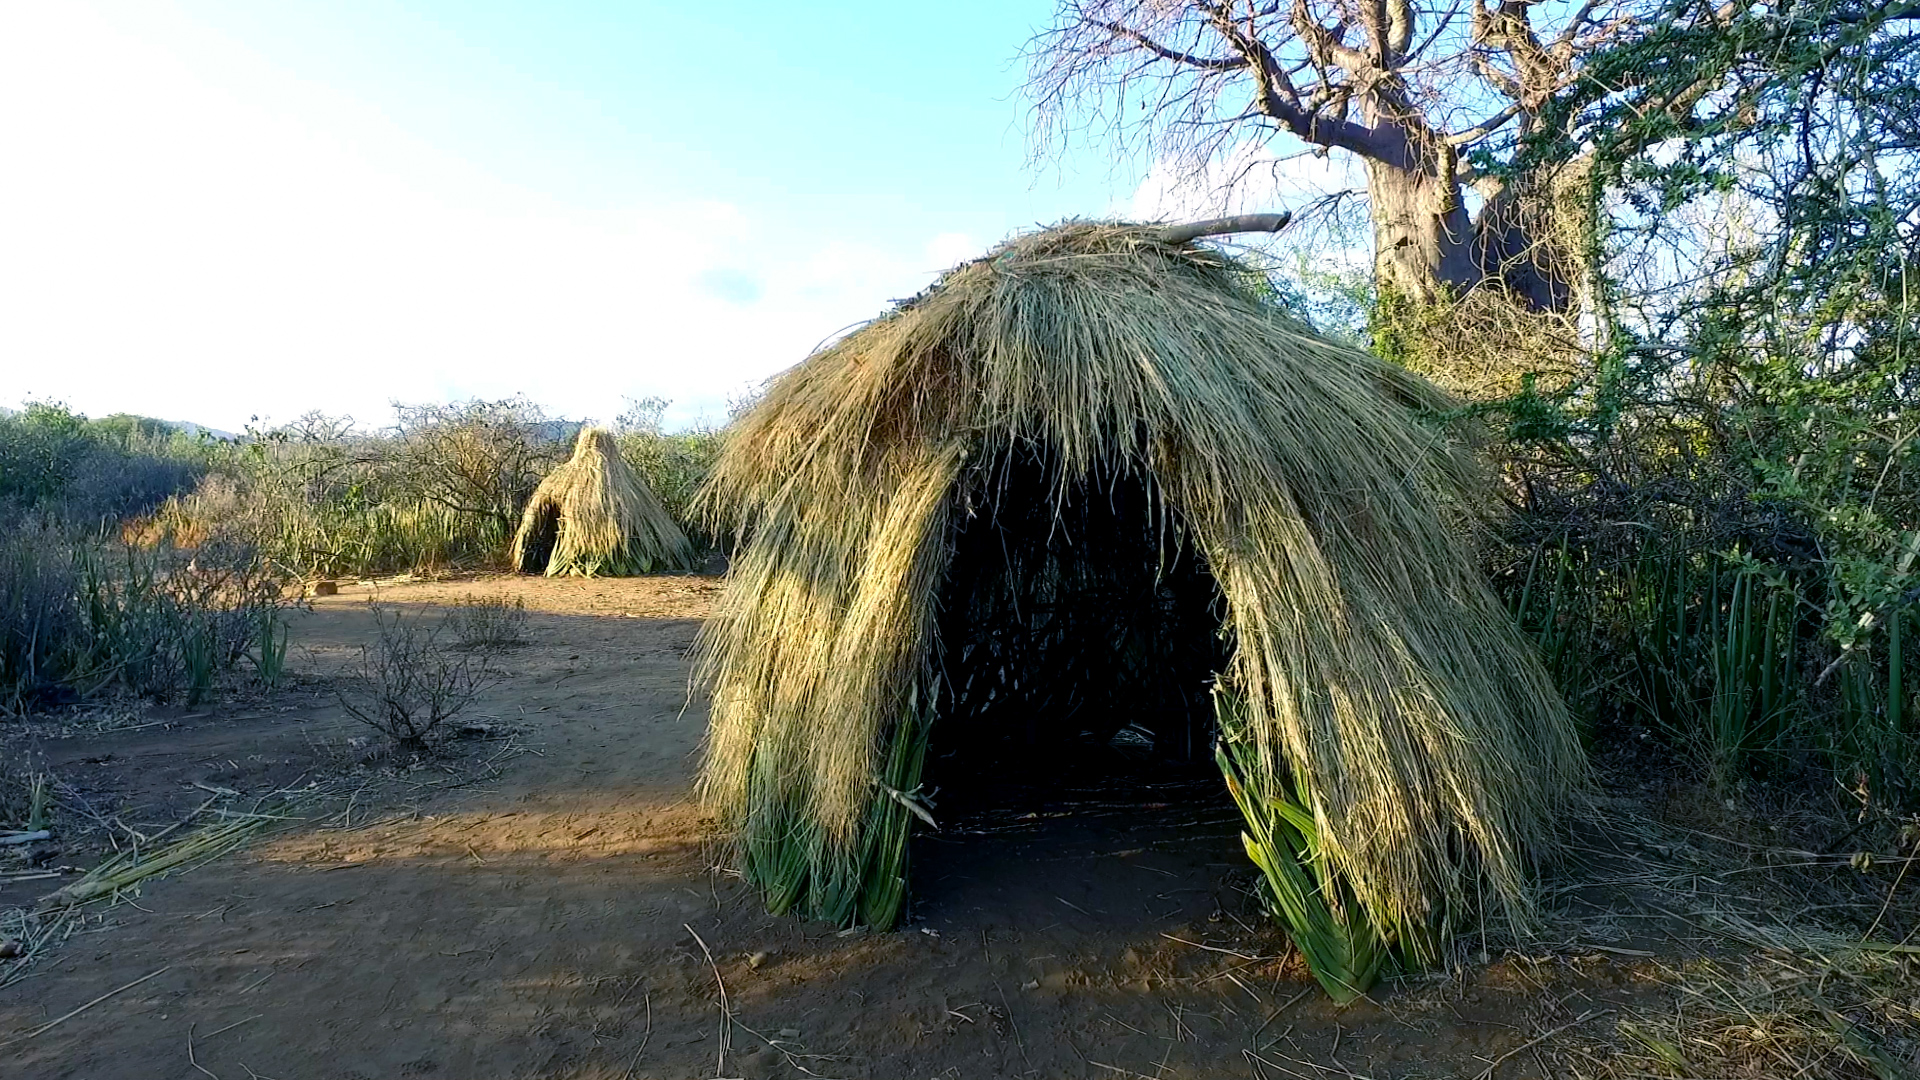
(1101,461)
(593,515)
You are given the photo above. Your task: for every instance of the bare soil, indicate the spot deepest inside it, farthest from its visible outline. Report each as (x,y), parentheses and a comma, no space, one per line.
(544,904)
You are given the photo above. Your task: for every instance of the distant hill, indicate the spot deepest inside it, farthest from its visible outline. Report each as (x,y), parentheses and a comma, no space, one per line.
(188,427)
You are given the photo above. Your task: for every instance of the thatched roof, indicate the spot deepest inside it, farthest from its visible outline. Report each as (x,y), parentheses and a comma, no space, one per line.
(1371,662)
(594,515)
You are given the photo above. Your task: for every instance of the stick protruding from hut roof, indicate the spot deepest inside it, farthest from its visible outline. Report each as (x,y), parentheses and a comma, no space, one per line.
(1225,226)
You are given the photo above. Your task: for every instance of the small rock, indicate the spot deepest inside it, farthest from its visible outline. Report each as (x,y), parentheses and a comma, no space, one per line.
(9,950)
(1030,984)
(789,1033)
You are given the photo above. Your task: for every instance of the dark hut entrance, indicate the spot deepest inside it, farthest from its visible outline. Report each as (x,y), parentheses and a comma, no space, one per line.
(541,535)
(1079,634)
(1078,629)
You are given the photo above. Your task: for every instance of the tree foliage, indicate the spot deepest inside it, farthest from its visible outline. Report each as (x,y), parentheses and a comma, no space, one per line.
(1749,425)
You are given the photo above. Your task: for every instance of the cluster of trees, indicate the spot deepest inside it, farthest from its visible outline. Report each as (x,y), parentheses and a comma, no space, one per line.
(97,516)
(55,461)
(442,486)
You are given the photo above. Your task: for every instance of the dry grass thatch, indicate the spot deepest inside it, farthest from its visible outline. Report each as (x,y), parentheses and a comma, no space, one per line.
(594,515)
(1377,675)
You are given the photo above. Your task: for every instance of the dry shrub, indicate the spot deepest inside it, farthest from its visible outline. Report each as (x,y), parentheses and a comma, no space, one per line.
(476,457)
(411,681)
(1487,345)
(490,623)
(189,520)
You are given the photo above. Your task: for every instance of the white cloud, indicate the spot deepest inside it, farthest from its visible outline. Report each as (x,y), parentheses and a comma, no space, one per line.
(188,232)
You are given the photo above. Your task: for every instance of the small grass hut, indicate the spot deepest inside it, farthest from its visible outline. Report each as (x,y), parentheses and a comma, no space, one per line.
(1102,458)
(593,515)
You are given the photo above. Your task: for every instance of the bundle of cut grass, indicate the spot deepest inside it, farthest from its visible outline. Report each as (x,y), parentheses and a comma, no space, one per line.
(1375,682)
(593,515)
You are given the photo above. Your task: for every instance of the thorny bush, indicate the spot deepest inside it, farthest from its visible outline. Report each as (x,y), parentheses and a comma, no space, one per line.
(489,624)
(411,680)
(1718,531)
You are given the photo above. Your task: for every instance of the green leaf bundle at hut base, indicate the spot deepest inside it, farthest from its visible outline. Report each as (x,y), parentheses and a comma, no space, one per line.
(594,515)
(1100,464)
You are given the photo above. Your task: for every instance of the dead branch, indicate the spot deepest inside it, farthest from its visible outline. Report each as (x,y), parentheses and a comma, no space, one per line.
(1222,226)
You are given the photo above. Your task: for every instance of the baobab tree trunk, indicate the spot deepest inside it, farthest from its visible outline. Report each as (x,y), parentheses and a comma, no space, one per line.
(1529,236)
(1422,237)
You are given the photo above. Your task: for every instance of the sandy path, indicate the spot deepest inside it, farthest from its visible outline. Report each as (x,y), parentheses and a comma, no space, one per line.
(542,924)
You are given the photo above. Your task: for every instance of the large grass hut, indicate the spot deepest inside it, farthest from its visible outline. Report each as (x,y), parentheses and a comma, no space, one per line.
(1101,457)
(593,515)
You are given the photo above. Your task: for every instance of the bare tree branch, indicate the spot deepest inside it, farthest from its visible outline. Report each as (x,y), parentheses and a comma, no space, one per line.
(1204,63)
(1402,86)
(1486,127)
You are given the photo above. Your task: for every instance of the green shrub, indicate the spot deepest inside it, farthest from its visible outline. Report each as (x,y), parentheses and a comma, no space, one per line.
(674,464)
(92,472)
(321,498)
(80,616)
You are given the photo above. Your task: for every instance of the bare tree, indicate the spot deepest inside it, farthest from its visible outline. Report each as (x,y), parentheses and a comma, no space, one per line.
(1430,96)
(479,457)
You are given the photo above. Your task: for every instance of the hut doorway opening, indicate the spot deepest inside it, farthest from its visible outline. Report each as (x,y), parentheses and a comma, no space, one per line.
(542,536)
(1079,634)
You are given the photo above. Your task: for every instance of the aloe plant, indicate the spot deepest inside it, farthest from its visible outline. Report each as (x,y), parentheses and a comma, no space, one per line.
(1344,949)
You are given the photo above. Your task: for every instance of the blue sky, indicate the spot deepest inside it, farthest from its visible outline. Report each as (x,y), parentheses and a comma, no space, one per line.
(216,209)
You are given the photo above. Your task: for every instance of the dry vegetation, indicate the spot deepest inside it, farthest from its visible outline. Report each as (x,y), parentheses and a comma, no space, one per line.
(410,681)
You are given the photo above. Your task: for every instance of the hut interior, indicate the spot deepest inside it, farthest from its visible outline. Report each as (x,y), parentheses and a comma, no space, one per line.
(1078,635)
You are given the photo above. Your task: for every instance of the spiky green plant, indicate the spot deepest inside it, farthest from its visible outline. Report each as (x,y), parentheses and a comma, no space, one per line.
(270,651)
(198,653)
(1342,947)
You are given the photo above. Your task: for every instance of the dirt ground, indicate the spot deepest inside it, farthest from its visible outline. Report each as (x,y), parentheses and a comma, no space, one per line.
(545,906)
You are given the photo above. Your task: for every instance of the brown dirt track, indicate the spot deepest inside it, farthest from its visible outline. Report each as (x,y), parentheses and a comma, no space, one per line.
(541,920)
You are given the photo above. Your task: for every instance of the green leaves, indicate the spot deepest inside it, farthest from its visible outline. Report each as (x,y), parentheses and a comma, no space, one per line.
(786,856)
(1343,948)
